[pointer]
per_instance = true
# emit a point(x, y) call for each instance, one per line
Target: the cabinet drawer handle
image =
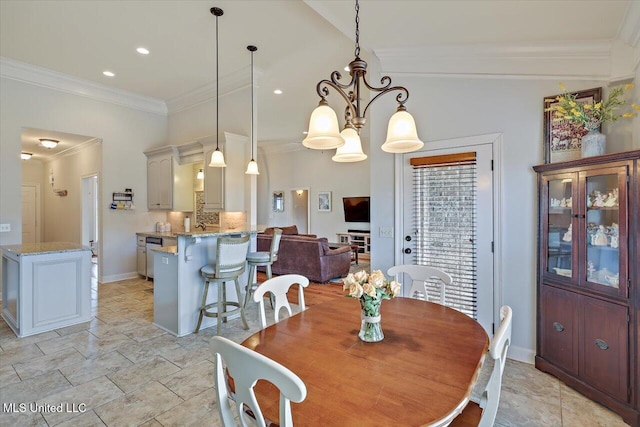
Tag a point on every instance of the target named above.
point(602, 345)
point(558, 326)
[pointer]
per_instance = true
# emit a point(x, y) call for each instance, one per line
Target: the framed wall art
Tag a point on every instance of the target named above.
point(324, 201)
point(562, 139)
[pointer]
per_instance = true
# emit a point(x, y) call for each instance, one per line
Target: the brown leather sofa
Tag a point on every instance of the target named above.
point(307, 255)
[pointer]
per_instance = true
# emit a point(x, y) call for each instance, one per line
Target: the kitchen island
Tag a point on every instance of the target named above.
point(45, 286)
point(178, 285)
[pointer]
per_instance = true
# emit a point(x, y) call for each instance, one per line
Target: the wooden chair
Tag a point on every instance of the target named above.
point(246, 367)
point(278, 287)
point(483, 414)
point(231, 257)
point(262, 259)
point(419, 275)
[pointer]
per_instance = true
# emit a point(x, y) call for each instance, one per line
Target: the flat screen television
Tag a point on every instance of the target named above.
point(356, 209)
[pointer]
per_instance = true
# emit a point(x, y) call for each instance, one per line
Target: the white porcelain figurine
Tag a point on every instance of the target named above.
point(567, 235)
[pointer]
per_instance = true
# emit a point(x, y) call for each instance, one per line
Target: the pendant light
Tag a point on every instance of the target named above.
point(402, 136)
point(351, 151)
point(252, 167)
point(217, 158)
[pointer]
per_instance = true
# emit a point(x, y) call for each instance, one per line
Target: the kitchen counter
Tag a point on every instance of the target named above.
point(43, 248)
point(209, 232)
point(45, 286)
point(178, 285)
point(156, 234)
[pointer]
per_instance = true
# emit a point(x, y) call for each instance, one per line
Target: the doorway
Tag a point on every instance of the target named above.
point(464, 247)
point(300, 209)
point(31, 213)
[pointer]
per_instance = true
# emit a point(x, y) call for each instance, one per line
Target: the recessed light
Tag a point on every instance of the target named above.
point(49, 143)
point(346, 68)
point(25, 156)
point(108, 73)
point(277, 92)
point(305, 132)
point(142, 50)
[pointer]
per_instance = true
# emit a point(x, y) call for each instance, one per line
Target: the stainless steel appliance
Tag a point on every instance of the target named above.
point(142, 256)
point(152, 242)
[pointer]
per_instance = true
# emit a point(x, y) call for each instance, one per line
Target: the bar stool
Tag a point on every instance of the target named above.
point(231, 255)
point(262, 259)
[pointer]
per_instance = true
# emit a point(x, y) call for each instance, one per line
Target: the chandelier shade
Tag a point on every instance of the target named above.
point(217, 158)
point(323, 125)
point(351, 151)
point(402, 136)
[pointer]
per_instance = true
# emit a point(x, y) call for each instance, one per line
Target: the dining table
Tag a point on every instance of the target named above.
point(420, 374)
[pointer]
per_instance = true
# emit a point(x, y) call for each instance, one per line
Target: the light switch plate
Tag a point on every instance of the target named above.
point(5, 228)
point(386, 232)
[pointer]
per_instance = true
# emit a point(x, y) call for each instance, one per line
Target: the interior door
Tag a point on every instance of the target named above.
point(483, 252)
point(30, 229)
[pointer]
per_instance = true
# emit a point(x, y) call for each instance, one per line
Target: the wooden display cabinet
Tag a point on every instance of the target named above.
point(588, 270)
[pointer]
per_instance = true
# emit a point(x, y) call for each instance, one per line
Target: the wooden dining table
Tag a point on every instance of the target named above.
point(421, 373)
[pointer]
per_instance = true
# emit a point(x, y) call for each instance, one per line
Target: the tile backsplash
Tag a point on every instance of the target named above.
point(209, 218)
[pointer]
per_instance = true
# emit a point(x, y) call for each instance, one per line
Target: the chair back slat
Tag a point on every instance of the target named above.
point(246, 367)
point(279, 286)
point(419, 275)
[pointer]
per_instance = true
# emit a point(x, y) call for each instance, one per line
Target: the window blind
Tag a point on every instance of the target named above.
point(444, 218)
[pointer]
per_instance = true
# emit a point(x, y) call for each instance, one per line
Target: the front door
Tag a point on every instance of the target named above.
point(448, 223)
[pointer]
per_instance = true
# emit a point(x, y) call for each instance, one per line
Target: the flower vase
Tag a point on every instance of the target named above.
point(593, 144)
point(370, 327)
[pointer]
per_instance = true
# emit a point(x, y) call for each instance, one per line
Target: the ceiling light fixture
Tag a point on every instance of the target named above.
point(252, 167)
point(278, 92)
point(200, 174)
point(49, 143)
point(108, 73)
point(142, 50)
point(25, 156)
point(402, 136)
point(217, 158)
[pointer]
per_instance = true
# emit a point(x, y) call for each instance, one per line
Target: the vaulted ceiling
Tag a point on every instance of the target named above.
point(299, 42)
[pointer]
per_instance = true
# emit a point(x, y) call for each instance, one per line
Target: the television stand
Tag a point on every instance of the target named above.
point(359, 238)
point(358, 231)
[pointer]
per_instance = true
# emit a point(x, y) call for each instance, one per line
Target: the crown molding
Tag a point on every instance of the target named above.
point(31, 74)
point(228, 85)
point(74, 149)
point(630, 27)
point(575, 60)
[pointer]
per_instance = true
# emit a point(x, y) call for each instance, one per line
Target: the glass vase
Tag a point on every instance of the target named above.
point(593, 144)
point(370, 327)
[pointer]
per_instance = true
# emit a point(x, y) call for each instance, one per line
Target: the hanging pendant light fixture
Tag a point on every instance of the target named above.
point(252, 167)
point(217, 158)
point(323, 133)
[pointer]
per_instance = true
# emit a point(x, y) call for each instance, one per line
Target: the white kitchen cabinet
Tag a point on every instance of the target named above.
point(169, 184)
point(225, 188)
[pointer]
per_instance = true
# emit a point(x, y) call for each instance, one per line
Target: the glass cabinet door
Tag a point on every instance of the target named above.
point(560, 233)
point(604, 229)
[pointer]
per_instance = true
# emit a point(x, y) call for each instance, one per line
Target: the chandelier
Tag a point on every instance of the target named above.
point(324, 134)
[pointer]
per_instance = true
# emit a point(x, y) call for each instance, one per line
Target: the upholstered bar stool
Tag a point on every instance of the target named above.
point(231, 256)
point(262, 259)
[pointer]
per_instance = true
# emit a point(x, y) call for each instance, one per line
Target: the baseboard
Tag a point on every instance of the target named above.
point(118, 277)
point(521, 354)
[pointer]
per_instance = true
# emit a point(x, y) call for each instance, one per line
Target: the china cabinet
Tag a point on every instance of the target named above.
point(588, 269)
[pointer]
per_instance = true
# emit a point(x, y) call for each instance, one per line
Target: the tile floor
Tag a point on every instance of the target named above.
point(120, 370)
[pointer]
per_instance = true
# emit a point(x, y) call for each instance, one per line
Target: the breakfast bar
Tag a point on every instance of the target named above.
point(178, 285)
point(45, 286)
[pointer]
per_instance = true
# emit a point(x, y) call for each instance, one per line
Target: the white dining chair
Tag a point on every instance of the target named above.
point(420, 275)
point(483, 414)
point(246, 367)
point(278, 287)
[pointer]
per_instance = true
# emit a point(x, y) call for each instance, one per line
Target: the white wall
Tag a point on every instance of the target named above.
point(312, 169)
point(62, 218)
point(456, 107)
point(125, 134)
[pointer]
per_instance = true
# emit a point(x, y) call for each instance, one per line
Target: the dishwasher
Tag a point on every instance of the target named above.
point(152, 242)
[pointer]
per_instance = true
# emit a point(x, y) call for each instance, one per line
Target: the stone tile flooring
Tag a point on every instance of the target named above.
point(120, 370)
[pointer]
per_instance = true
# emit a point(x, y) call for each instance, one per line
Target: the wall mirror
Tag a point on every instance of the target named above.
point(278, 201)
